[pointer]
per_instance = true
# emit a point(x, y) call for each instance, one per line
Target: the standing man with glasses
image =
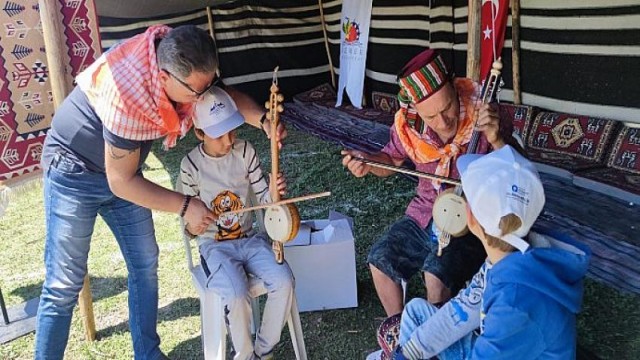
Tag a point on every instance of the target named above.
point(139, 91)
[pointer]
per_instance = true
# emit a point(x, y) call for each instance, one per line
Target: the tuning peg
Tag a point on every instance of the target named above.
point(497, 65)
point(280, 108)
point(280, 98)
point(267, 105)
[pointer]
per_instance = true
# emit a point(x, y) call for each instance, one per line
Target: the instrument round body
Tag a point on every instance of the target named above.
point(282, 222)
point(450, 213)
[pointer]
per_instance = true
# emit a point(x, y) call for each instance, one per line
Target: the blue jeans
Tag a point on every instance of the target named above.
point(73, 198)
point(416, 313)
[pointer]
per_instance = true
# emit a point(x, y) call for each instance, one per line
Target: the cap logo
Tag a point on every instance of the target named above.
point(519, 194)
point(216, 107)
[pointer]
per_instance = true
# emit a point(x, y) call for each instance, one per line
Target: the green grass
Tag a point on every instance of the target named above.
point(608, 326)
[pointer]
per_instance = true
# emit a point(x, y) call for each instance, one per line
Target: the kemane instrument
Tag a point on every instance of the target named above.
point(281, 217)
point(282, 222)
point(449, 208)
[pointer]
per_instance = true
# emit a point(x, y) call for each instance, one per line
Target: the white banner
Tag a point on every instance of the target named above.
point(354, 37)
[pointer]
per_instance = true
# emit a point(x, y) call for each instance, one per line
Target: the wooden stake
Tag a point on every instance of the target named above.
point(59, 74)
point(515, 50)
point(61, 86)
point(326, 44)
point(473, 40)
point(85, 302)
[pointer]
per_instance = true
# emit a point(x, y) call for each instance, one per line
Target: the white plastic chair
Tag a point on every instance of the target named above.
point(212, 319)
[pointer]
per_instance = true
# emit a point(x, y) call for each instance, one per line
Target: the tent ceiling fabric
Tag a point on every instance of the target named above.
point(150, 8)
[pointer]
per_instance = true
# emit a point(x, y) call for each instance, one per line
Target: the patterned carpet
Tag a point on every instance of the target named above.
point(26, 101)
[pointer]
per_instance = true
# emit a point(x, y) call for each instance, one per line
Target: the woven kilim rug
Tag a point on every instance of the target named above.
point(26, 101)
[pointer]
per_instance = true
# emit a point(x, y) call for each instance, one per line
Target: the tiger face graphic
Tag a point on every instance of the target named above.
point(228, 224)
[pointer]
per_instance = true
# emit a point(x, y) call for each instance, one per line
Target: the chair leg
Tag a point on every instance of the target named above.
point(214, 341)
point(295, 329)
point(255, 313)
point(403, 283)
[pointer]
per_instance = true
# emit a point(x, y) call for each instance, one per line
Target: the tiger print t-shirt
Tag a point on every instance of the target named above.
point(223, 184)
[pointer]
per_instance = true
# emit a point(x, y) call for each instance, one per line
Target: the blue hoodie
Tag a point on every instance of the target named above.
point(525, 305)
point(530, 303)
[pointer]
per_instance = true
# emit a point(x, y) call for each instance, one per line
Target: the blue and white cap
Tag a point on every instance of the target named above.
point(216, 113)
point(500, 183)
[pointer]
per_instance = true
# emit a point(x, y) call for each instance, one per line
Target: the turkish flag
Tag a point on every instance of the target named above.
point(494, 25)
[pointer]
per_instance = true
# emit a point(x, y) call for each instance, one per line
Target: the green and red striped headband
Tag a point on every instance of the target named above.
point(423, 75)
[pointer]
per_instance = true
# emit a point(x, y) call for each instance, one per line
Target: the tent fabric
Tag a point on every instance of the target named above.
point(577, 56)
point(252, 40)
point(151, 8)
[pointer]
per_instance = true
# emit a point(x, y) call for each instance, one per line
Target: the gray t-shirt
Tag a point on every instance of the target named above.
point(77, 130)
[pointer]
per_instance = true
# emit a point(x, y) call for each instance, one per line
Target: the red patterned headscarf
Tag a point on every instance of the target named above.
point(124, 88)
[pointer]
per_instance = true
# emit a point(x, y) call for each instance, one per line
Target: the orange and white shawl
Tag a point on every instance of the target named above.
point(424, 149)
point(124, 89)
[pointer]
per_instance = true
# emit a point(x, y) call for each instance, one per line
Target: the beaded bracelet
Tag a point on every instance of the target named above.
point(185, 205)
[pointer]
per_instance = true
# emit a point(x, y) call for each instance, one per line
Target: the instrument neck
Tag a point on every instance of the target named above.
point(487, 96)
point(275, 152)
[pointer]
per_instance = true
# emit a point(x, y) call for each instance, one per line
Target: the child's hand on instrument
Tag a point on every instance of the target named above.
point(281, 131)
point(357, 168)
point(281, 184)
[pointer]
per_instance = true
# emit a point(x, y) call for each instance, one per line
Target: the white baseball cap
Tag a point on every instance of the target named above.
point(216, 113)
point(500, 183)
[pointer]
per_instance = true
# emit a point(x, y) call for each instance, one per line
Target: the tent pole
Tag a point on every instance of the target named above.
point(473, 40)
point(212, 33)
point(515, 50)
point(210, 22)
point(61, 86)
point(326, 44)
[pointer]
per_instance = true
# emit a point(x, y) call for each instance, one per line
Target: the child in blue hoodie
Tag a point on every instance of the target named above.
point(525, 297)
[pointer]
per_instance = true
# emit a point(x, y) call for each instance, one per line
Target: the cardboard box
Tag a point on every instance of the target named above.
point(322, 258)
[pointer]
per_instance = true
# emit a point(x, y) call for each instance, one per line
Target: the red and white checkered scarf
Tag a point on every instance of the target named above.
point(124, 88)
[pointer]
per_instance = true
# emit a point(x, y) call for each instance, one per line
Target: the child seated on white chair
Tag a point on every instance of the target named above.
point(220, 171)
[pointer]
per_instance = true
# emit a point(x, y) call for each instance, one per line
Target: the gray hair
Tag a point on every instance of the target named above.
point(187, 49)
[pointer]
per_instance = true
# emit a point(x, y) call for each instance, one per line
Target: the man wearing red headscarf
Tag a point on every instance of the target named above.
point(431, 129)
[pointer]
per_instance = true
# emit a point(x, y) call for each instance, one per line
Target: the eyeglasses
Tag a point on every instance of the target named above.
point(197, 94)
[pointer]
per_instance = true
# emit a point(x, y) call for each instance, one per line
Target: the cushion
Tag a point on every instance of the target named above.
point(621, 178)
point(364, 113)
point(624, 185)
point(385, 102)
point(626, 151)
point(520, 116)
point(570, 142)
point(321, 93)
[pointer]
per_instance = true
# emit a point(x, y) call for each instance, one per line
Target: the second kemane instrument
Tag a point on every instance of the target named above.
point(449, 208)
